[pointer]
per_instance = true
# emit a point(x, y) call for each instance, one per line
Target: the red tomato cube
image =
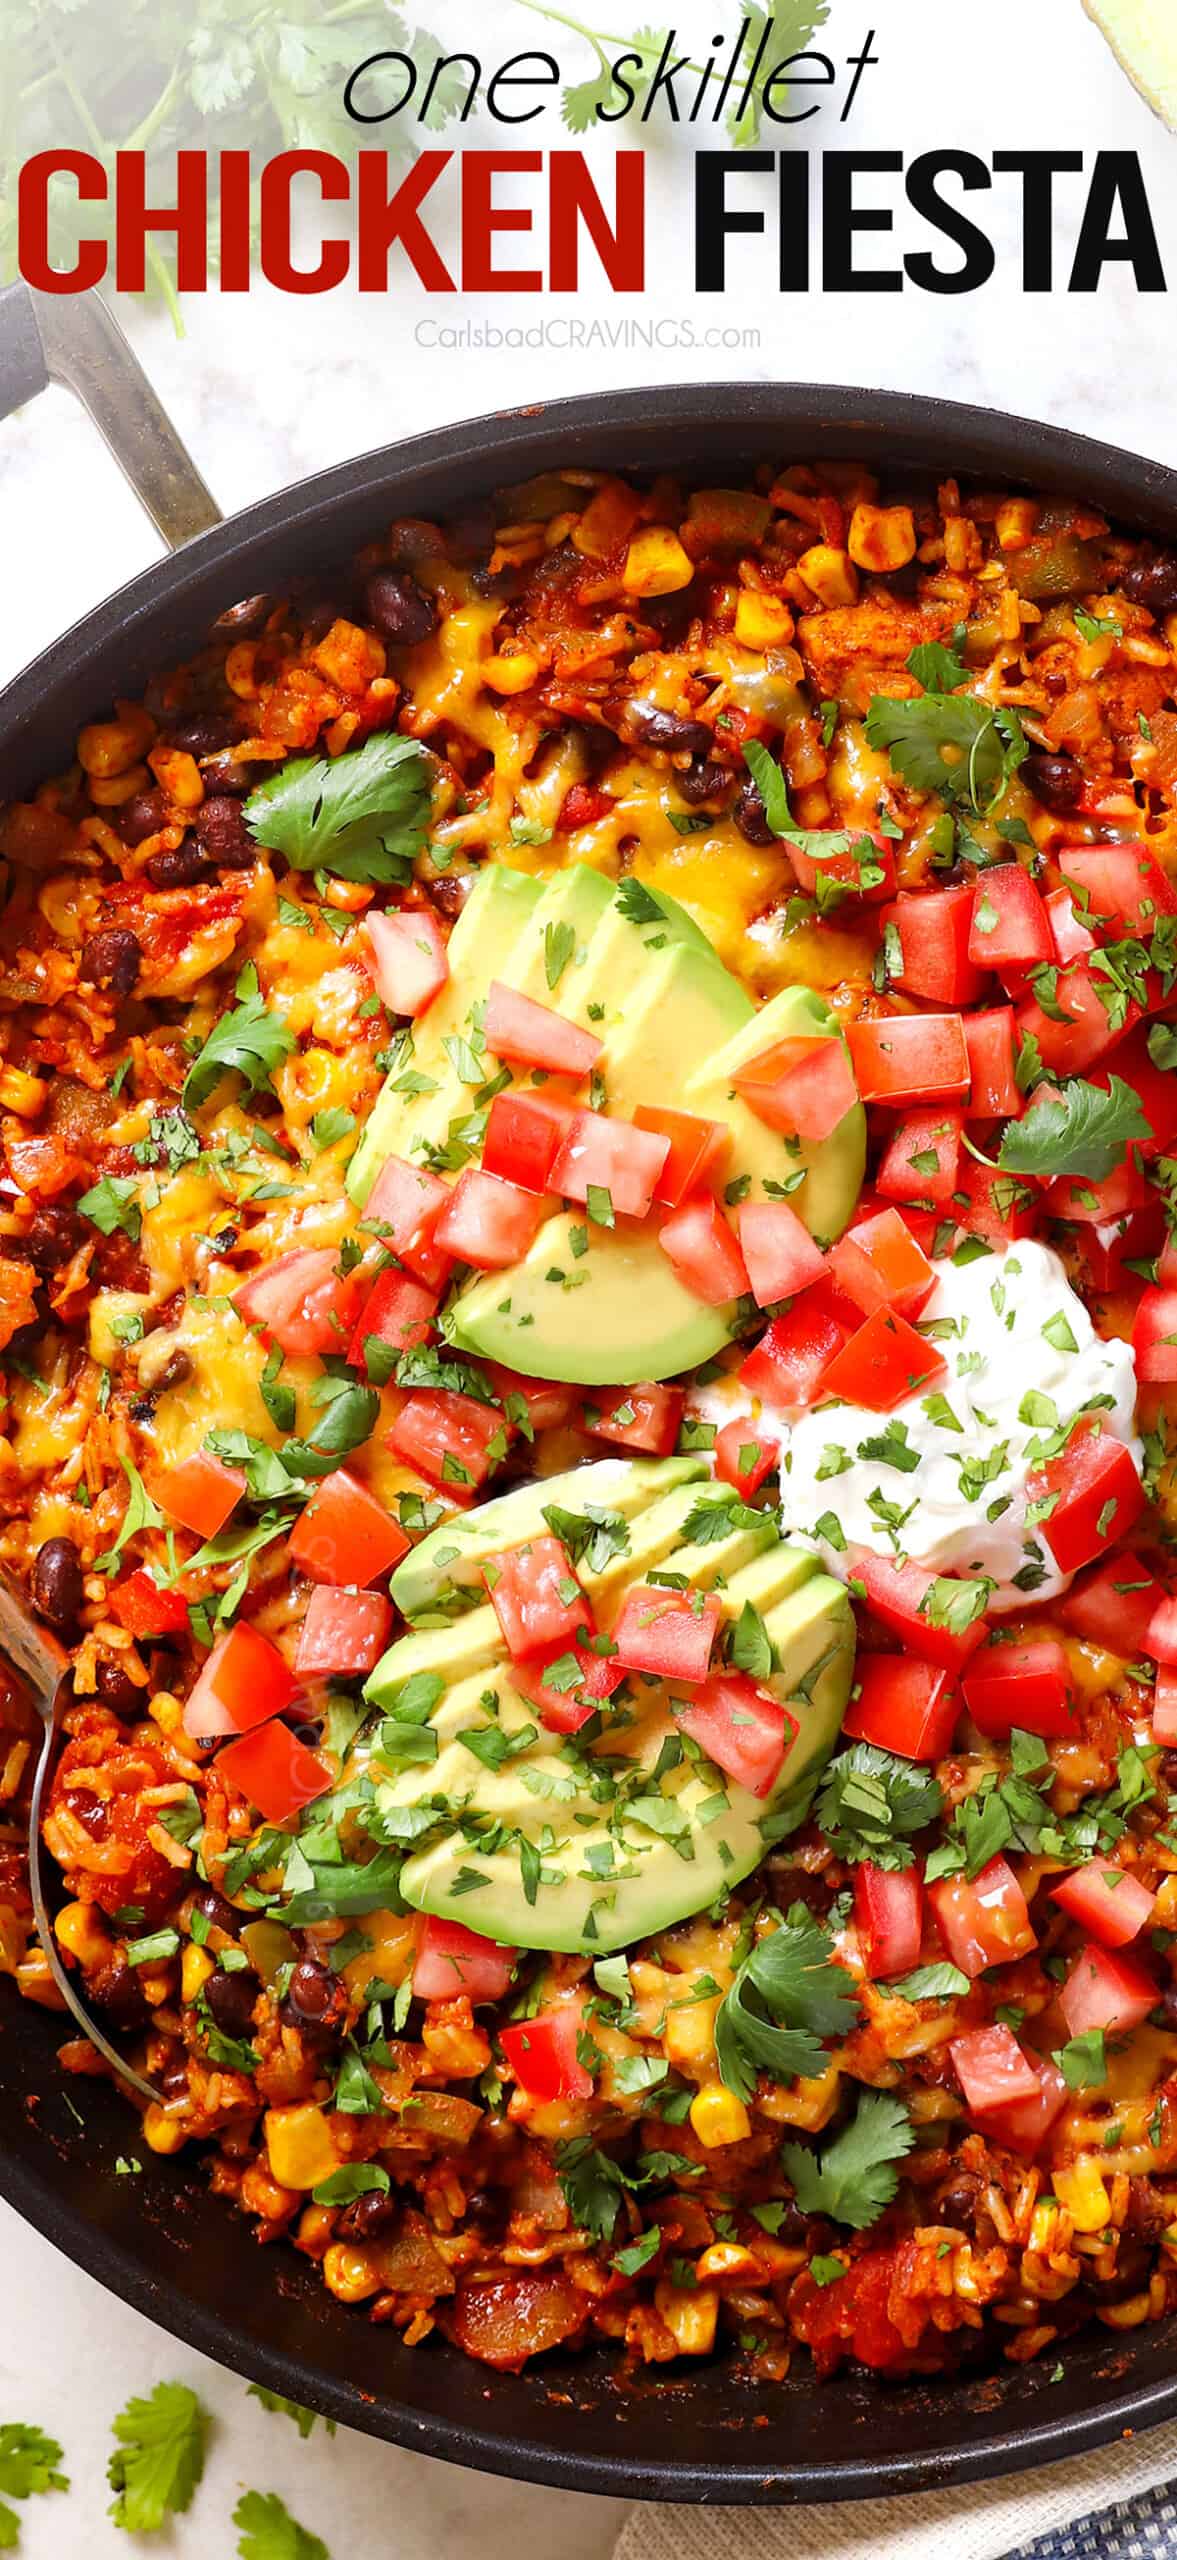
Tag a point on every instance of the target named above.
point(1164, 1709)
point(802, 1086)
point(488, 1223)
point(452, 1963)
point(542, 2054)
point(200, 1493)
point(524, 1134)
point(1085, 1033)
point(646, 1418)
point(409, 960)
point(993, 1205)
point(1106, 1990)
point(903, 1705)
point(984, 1920)
point(1154, 1338)
point(1022, 2124)
point(1070, 936)
point(600, 1154)
point(1112, 1905)
point(1098, 1202)
point(345, 1535)
point(534, 1035)
point(742, 1728)
point(992, 2070)
point(667, 1633)
point(343, 1633)
point(1009, 928)
point(889, 1915)
point(399, 1311)
point(917, 1057)
point(244, 1681)
point(452, 1439)
point(933, 928)
point(1114, 1606)
point(275, 1772)
point(1161, 1638)
point(865, 870)
point(536, 1597)
point(565, 1703)
point(301, 1302)
point(144, 1610)
point(1121, 885)
point(702, 1250)
point(1096, 1493)
point(878, 1263)
point(403, 1206)
point(743, 1456)
point(885, 1361)
point(900, 1597)
point(779, 1253)
point(989, 1039)
point(920, 1164)
point(788, 1366)
point(698, 1151)
point(532, 1404)
point(1020, 1687)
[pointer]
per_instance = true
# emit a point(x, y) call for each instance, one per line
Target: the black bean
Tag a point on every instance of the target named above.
point(117, 1690)
point(230, 1997)
point(117, 1994)
point(1055, 780)
point(957, 2202)
point(175, 1373)
point(502, 585)
point(52, 1237)
point(367, 2215)
point(222, 834)
point(1152, 583)
point(750, 814)
point(317, 618)
point(225, 773)
point(668, 731)
point(204, 733)
point(472, 533)
point(111, 959)
point(315, 2003)
point(703, 780)
point(178, 865)
point(451, 893)
point(1129, 2275)
point(399, 609)
point(57, 1583)
point(141, 817)
point(242, 621)
point(215, 1909)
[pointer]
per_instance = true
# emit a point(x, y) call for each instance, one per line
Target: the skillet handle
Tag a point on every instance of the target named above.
point(78, 342)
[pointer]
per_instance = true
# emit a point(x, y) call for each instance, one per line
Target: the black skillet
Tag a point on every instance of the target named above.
point(160, 2240)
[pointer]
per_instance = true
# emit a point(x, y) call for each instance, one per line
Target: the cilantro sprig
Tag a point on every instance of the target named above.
point(872, 1804)
point(266, 2530)
point(1085, 1131)
point(249, 1041)
point(854, 2178)
point(952, 744)
point(362, 816)
point(786, 1997)
point(159, 2458)
point(29, 2467)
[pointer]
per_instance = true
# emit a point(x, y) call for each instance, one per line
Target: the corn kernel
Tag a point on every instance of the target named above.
point(118, 787)
point(1015, 521)
point(882, 538)
point(300, 2146)
point(21, 1093)
point(167, 1712)
point(1081, 2192)
point(348, 2275)
point(762, 622)
point(691, 2317)
point(718, 2116)
point(513, 674)
point(107, 747)
point(1044, 2226)
point(179, 774)
point(162, 2132)
point(726, 2261)
point(196, 1966)
point(656, 563)
point(350, 657)
point(830, 574)
point(689, 2037)
point(79, 1929)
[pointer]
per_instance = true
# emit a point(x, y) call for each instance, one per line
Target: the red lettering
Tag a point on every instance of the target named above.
point(384, 219)
point(620, 246)
point(33, 258)
point(482, 218)
point(135, 219)
point(236, 223)
point(277, 255)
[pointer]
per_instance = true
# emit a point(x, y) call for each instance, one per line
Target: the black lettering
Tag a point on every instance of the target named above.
point(715, 218)
point(378, 115)
point(629, 95)
point(790, 78)
point(842, 218)
point(924, 197)
point(436, 82)
point(794, 221)
point(548, 78)
point(858, 63)
point(664, 78)
point(1037, 171)
point(1117, 184)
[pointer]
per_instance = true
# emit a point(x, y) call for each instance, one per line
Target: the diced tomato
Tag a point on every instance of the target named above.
point(1097, 1203)
point(853, 2316)
point(1155, 1089)
point(1067, 1047)
point(702, 1251)
point(879, 1264)
point(889, 1911)
point(802, 1086)
point(883, 1362)
point(583, 805)
point(1070, 936)
point(534, 1035)
point(1106, 1990)
point(698, 1152)
point(399, 1311)
point(910, 1057)
point(275, 1771)
point(989, 1039)
point(524, 1134)
point(1010, 929)
point(489, 1223)
point(452, 1963)
point(1112, 1905)
point(301, 1302)
point(546, 1404)
point(409, 959)
point(847, 868)
point(779, 1252)
point(144, 1610)
point(993, 2071)
point(405, 1204)
point(536, 1597)
point(1022, 2124)
point(1107, 1250)
point(600, 1154)
point(542, 2054)
point(244, 1681)
point(1114, 1607)
point(343, 1632)
point(565, 1705)
point(200, 1493)
point(894, 1595)
point(903, 1705)
point(934, 927)
point(1154, 1338)
point(667, 1633)
point(742, 1728)
point(743, 1456)
point(993, 1205)
point(921, 1161)
point(1096, 1493)
point(1022, 1688)
point(1164, 1709)
point(1161, 1638)
point(1122, 884)
point(983, 1921)
point(452, 1439)
point(646, 1418)
point(788, 1365)
point(345, 1535)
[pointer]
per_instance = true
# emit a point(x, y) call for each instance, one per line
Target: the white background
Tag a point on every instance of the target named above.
point(265, 390)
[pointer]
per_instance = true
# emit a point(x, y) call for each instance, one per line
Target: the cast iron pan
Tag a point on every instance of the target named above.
point(160, 2240)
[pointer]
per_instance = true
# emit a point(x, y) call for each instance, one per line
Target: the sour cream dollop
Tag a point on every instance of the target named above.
point(943, 1478)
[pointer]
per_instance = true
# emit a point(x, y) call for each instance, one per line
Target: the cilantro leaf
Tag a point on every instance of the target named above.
point(159, 2458)
point(1083, 2062)
point(248, 1041)
point(590, 1537)
point(821, 844)
point(267, 2531)
point(854, 2178)
point(785, 1997)
point(280, 2407)
point(113, 1203)
point(938, 669)
point(1085, 1132)
point(559, 945)
point(638, 904)
point(871, 1803)
point(363, 816)
point(29, 2462)
point(949, 743)
point(141, 1513)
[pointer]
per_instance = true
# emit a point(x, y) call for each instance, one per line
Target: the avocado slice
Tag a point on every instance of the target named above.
point(587, 1844)
point(834, 1169)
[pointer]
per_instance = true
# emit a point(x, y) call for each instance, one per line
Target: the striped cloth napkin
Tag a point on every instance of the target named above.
point(1115, 2504)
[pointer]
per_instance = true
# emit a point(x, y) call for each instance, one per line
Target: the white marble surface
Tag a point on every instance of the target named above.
point(267, 389)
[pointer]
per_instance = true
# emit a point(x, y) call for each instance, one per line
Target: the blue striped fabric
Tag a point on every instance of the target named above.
point(1143, 2528)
